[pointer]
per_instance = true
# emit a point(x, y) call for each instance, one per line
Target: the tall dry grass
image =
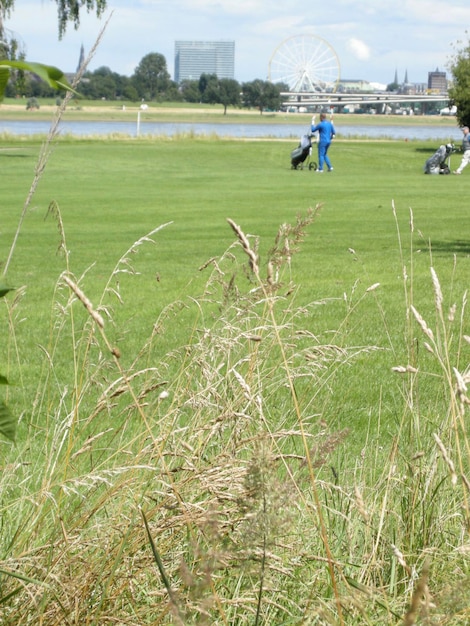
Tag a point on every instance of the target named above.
point(201, 485)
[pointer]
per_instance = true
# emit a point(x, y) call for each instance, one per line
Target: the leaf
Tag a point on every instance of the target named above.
point(54, 77)
point(4, 290)
point(4, 76)
point(7, 422)
point(3, 380)
point(12, 594)
point(23, 577)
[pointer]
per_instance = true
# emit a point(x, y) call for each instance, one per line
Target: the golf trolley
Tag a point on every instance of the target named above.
point(439, 162)
point(301, 156)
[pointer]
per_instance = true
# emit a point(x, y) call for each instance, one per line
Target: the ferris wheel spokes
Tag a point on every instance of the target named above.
point(306, 63)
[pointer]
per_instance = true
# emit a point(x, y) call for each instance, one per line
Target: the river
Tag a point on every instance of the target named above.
point(277, 131)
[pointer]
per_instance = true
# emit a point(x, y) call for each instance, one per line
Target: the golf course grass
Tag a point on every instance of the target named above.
point(280, 333)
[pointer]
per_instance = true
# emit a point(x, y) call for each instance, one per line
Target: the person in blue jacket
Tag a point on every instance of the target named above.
point(326, 132)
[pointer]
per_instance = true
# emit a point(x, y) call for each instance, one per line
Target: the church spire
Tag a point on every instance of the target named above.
point(82, 57)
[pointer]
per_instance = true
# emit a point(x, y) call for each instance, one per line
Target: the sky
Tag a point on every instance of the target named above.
point(367, 39)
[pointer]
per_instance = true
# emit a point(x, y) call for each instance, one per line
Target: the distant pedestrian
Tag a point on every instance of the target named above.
point(466, 150)
point(326, 132)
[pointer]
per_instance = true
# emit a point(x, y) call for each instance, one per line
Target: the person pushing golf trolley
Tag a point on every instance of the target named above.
point(326, 134)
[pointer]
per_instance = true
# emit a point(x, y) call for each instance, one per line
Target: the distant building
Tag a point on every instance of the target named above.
point(406, 87)
point(437, 81)
point(354, 85)
point(193, 58)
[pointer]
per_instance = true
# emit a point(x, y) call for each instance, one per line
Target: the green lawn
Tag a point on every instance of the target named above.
point(111, 193)
point(265, 386)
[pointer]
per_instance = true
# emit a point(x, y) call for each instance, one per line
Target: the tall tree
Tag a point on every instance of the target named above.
point(261, 94)
point(459, 92)
point(229, 93)
point(208, 88)
point(213, 90)
point(189, 90)
point(151, 76)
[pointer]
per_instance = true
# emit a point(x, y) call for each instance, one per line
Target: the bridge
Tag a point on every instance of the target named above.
point(377, 100)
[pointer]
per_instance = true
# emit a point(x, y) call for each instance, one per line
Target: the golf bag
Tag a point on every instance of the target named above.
point(301, 153)
point(437, 163)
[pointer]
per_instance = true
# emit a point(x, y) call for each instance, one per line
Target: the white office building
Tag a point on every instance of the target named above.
point(193, 58)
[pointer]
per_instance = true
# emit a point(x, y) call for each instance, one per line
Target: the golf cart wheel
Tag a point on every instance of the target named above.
point(312, 166)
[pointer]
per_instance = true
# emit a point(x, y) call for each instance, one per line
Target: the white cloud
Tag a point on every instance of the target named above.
point(359, 49)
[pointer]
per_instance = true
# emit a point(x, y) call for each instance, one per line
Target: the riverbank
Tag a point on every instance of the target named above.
point(86, 110)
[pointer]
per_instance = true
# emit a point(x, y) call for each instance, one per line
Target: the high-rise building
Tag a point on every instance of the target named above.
point(437, 81)
point(193, 58)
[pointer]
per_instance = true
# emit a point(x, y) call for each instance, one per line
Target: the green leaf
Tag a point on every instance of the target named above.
point(54, 77)
point(4, 76)
point(7, 422)
point(3, 380)
point(20, 576)
point(12, 594)
point(4, 290)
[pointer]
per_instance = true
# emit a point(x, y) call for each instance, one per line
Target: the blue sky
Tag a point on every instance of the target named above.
point(370, 38)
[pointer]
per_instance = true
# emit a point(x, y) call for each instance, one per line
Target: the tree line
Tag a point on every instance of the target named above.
point(151, 82)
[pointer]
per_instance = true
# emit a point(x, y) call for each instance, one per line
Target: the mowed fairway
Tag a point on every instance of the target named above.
point(112, 192)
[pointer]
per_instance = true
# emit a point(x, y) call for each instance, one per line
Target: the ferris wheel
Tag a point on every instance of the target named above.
point(306, 63)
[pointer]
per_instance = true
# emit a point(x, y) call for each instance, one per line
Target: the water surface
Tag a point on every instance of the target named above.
point(249, 131)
